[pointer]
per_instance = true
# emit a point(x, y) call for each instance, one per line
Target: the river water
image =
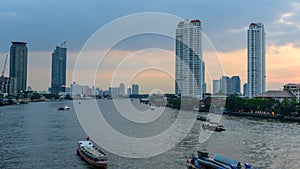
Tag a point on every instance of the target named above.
point(37, 135)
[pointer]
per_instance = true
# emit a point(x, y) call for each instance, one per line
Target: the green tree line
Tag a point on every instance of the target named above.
point(286, 107)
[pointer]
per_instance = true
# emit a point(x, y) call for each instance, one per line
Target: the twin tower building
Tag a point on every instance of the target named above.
point(190, 67)
point(18, 68)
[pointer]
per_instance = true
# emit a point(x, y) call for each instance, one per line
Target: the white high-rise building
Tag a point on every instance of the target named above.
point(256, 59)
point(114, 92)
point(190, 69)
point(122, 89)
point(216, 86)
point(227, 86)
point(76, 89)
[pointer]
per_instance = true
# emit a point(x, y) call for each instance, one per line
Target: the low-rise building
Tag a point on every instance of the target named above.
point(114, 92)
point(276, 94)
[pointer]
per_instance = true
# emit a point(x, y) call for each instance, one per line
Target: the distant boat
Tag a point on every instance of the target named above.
point(202, 118)
point(203, 161)
point(23, 102)
point(64, 108)
point(91, 154)
point(195, 108)
point(213, 126)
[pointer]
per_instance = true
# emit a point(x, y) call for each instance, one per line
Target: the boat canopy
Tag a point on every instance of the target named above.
point(233, 163)
point(85, 144)
point(91, 150)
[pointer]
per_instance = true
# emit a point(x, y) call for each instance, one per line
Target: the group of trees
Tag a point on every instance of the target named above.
point(182, 102)
point(24, 95)
point(30, 95)
point(235, 103)
point(173, 101)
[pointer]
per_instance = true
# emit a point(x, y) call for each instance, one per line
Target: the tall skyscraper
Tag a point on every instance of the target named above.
point(59, 64)
point(256, 59)
point(135, 89)
point(18, 65)
point(190, 69)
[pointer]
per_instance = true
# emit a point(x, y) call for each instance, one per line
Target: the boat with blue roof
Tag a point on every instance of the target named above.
point(203, 161)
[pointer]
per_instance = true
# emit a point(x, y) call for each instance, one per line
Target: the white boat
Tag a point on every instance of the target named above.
point(213, 126)
point(195, 108)
point(64, 108)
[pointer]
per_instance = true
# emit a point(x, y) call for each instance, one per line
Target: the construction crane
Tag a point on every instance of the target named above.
point(4, 67)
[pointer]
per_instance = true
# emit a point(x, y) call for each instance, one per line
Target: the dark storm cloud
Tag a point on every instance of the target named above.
point(45, 24)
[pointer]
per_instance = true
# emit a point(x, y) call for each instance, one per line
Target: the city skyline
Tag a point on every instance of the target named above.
point(226, 86)
point(281, 25)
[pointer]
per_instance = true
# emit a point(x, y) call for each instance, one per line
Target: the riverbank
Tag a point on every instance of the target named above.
point(6, 102)
point(264, 116)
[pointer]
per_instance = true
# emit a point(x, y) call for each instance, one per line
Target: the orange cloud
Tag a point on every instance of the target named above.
point(282, 64)
point(131, 67)
point(234, 63)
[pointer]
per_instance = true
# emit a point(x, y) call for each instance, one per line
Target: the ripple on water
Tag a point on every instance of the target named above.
point(36, 135)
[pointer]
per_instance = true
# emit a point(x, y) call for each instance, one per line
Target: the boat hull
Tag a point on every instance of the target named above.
point(98, 164)
point(217, 128)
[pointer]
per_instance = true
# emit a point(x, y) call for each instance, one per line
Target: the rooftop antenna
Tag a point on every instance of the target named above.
point(63, 45)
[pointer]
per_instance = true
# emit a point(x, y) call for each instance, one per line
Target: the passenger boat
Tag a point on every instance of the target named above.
point(213, 126)
point(64, 108)
point(92, 155)
point(203, 161)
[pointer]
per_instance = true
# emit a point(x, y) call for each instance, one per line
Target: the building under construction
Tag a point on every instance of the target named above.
point(7, 86)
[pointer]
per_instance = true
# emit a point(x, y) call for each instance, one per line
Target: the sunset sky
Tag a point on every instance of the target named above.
point(148, 59)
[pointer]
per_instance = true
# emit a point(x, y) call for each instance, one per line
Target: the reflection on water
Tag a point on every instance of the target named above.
point(36, 135)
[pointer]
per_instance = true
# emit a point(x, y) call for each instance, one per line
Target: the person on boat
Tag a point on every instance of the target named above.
point(193, 159)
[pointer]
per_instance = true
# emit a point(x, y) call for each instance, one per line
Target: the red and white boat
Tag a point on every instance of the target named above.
point(92, 155)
